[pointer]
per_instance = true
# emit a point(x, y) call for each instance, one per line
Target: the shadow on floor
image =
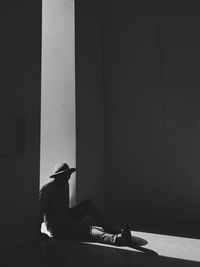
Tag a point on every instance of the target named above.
point(65, 253)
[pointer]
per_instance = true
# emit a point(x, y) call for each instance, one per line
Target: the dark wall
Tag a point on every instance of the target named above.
point(90, 156)
point(180, 42)
point(20, 68)
point(135, 145)
point(141, 60)
point(151, 79)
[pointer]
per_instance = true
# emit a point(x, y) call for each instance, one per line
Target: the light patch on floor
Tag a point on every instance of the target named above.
point(172, 246)
point(164, 245)
point(168, 246)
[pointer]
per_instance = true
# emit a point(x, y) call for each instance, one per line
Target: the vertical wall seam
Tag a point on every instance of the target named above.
point(104, 105)
point(75, 99)
point(163, 99)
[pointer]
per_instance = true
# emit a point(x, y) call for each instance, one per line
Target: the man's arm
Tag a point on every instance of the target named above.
point(44, 196)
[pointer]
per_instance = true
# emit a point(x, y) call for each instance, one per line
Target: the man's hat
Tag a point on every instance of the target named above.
point(62, 168)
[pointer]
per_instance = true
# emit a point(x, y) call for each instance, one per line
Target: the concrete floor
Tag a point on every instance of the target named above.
point(58, 253)
point(173, 251)
point(165, 245)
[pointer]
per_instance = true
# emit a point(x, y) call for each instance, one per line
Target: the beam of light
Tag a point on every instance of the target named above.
point(58, 133)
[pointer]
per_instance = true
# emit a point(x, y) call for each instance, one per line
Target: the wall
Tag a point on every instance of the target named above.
point(89, 102)
point(58, 131)
point(20, 120)
point(180, 40)
point(136, 159)
point(151, 67)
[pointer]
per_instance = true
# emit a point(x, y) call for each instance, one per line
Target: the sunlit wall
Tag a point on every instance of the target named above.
point(58, 89)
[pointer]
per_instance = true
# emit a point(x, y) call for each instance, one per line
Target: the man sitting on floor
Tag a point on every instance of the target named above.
point(65, 222)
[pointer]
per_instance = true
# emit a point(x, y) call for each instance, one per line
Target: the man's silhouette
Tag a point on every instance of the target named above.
point(65, 222)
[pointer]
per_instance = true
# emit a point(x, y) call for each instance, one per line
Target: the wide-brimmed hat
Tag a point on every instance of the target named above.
point(62, 168)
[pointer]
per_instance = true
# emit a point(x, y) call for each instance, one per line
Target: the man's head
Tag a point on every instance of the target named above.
point(62, 173)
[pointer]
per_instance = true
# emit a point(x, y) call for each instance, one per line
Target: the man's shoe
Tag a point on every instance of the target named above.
point(124, 238)
point(126, 235)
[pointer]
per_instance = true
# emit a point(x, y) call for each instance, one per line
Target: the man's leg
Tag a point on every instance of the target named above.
point(98, 234)
point(69, 228)
point(87, 207)
point(66, 228)
point(74, 229)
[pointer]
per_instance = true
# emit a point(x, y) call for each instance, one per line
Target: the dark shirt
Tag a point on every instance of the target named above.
point(54, 202)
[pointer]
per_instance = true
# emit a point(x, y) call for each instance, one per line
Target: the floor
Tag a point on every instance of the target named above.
point(173, 251)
